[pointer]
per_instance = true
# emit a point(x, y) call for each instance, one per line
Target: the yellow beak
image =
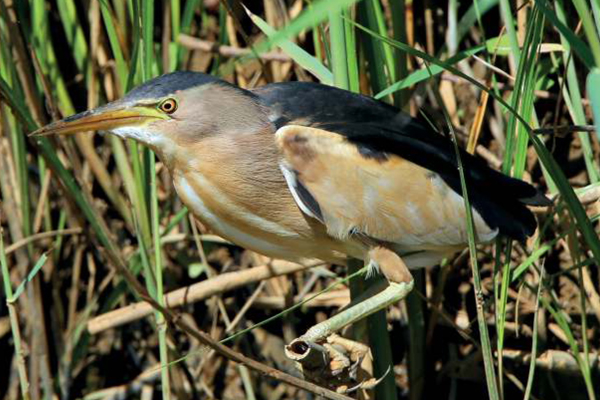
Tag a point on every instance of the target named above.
point(104, 118)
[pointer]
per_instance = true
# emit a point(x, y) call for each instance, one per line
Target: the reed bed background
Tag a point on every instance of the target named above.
point(91, 225)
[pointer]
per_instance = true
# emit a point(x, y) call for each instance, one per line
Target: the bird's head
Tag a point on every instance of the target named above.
point(171, 112)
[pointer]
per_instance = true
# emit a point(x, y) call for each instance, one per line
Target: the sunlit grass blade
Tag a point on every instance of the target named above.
point(14, 321)
point(581, 49)
point(517, 140)
point(122, 69)
point(423, 74)
point(563, 321)
point(509, 25)
point(589, 28)
point(574, 101)
point(534, 341)
point(146, 178)
point(299, 55)
point(374, 49)
point(311, 17)
point(160, 319)
point(351, 54)
point(530, 57)
point(19, 151)
point(593, 82)
point(74, 33)
point(38, 265)
point(494, 392)
point(337, 38)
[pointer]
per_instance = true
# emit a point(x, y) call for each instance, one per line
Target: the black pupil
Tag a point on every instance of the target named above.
point(168, 106)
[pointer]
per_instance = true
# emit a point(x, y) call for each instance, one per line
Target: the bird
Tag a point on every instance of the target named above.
point(297, 170)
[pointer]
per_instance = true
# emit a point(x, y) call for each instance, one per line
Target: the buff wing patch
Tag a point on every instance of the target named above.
point(354, 190)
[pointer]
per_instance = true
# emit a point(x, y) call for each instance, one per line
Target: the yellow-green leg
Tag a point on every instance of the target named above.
point(315, 351)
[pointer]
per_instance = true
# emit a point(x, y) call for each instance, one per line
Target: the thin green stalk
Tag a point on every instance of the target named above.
point(122, 69)
point(501, 305)
point(486, 346)
point(589, 28)
point(575, 105)
point(596, 12)
point(398, 9)
point(186, 23)
point(147, 38)
point(74, 33)
point(338, 50)
point(175, 30)
point(351, 54)
point(17, 141)
point(176, 219)
point(586, 345)
point(529, 56)
point(14, 321)
point(578, 45)
point(160, 319)
point(416, 327)
point(374, 49)
point(509, 23)
point(534, 341)
point(316, 36)
point(298, 54)
point(517, 141)
point(148, 174)
point(585, 361)
point(563, 322)
point(516, 137)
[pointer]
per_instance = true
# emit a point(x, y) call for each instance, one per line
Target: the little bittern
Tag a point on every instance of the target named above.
point(302, 170)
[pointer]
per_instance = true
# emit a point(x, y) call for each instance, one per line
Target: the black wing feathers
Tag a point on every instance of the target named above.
point(379, 129)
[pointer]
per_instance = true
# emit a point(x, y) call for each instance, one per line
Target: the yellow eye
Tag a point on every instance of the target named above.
point(169, 106)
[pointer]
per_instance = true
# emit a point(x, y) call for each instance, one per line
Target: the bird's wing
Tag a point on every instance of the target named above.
point(389, 199)
point(378, 131)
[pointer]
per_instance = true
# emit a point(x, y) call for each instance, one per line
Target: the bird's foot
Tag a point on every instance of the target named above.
point(340, 364)
point(317, 350)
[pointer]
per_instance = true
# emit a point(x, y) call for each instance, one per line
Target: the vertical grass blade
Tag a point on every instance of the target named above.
point(299, 55)
point(575, 104)
point(14, 321)
point(160, 319)
point(593, 83)
point(337, 39)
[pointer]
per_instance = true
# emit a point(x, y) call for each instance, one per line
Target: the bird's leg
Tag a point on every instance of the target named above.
point(400, 284)
point(308, 349)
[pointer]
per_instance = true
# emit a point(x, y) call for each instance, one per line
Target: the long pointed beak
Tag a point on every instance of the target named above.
point(103, 118)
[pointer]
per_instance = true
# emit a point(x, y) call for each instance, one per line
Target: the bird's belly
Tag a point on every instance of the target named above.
point(234, 222)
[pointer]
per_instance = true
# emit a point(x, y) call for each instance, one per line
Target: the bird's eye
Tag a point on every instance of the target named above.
point(169, 106)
